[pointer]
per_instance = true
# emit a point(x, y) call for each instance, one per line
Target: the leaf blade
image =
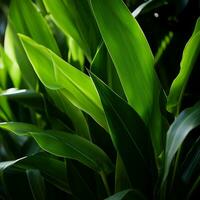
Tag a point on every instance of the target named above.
point(178, 131)
point(64, 145)
point(128, 130)
point(133, 60)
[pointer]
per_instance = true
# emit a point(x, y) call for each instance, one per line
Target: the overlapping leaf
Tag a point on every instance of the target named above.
point(76, 20)
point(57, 74)
point(189, 57)
point(55, 172)
point(130, 137)
point(178, 131)
point(64, 145)
point(133, 60)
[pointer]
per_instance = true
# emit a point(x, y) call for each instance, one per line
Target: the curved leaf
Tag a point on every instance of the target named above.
point(130, 137)
point(64, 145)
point(26, 19)
point(58, 74)
point(190, 55)
point(75, 18)
point(29, 98)
point(133, 60)
point(11, 67)
point(54, 173)
point(178, 131)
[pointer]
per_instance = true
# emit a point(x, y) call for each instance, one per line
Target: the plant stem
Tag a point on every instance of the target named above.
point(105, 182)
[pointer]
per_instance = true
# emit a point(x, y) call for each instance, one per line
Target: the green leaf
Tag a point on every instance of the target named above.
point(133, 60)
point(102, 66)
point(178, 131)
point(189, 57)
point(26, 19)
point(64, 145)
point(75, 114)
point(190, 165)
point(122, 181)
point(130, 137)
point(29, 98)
point(12, 68)
point(5, 107)
point(75, 19)
point(14, 50)
point(74, 84)
point(3, 70)
point(36, 183)
point(126, 195)
point(54, 173)
point(75, 54)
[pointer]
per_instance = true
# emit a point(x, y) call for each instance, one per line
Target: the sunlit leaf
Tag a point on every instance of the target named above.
point(76, 20)
point(133, 60)
point(74, 84)
point(189, 57)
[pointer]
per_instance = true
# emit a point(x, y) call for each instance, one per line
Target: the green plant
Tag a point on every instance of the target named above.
point(88, 112)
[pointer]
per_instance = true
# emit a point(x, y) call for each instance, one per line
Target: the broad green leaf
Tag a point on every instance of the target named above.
point(36, 183)
point(127, 195)
point(189, 57)
point(64, 145)
point(74, 84)
point(178, 131)
point(130, 137)
point(133, 60)
point(54, 173)
point(75, 19)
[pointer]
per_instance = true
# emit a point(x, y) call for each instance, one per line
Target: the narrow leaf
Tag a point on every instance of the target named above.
point(75, 19)
point(36, 183)
point(189, 57)
point(178, 131)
